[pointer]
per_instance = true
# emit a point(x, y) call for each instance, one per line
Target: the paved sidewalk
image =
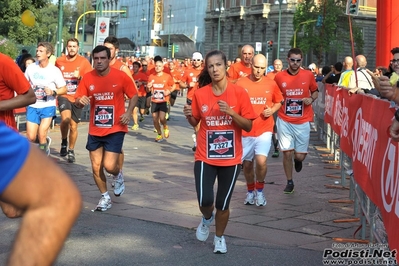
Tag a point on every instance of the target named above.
point(160, 188)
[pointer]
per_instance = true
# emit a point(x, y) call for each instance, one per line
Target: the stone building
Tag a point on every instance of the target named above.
point(250, 21)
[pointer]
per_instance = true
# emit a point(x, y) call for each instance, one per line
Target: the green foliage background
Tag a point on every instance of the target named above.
point(333, 35)
point(45, 29)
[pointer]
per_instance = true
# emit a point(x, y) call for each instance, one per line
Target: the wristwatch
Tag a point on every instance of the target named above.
point(54, 93)
point(397, 115)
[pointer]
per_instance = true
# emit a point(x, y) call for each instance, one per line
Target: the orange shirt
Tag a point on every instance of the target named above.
point(12, 81)
point(68, 68)
point(272, 74)
point(139, 77)
point(294, 89)
point(219, 138)
point(237, 70)
point(191, 75)
point(108, 101)
point(159, 85)
point(177, 76)
point(262, 93)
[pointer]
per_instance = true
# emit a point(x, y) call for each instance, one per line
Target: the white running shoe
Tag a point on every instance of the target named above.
point(260, 199)
point(220, 245)
point(249, 200)
point(119, 187)
point(203, 229)
point(48, 140)
point(104, 204)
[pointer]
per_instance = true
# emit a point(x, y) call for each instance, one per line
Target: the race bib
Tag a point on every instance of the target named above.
point(220, 144)
point(159, 95)
point(40, 93)
point(71, 85)
point(104, 115)
point(294, 107)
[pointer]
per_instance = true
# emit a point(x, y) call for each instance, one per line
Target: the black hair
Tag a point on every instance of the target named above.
point(137, 64)
point(325, 70)
point(338, 66)
point(112, 40)
point(100, 48)
point(157, 58)
point(295, 51)
point(204, 78)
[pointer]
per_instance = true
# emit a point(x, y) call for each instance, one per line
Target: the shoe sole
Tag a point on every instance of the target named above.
point(249, 203)
point(63, 155)
point(120, 194)
point(287, 192)
point(260, 205)
point(220, 252)
point(102, 209)
point(71, 160)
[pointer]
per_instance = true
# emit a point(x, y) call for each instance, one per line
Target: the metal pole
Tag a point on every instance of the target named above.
point(219, 29)
point(60, 26)
point(82, 45)
point(170, 19)
point(279, 29)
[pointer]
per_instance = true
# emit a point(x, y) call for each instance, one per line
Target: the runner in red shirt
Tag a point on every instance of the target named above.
point(177, 78)
point(73, 66)
point(278, 67)
point(266, 99)
point(224, 110)
point(300, 90)
point(242, 68)
point(13, 81)
point(161, 86)
point(104, 89)
point(141, 80)
point(15, 92)
point(190, 79)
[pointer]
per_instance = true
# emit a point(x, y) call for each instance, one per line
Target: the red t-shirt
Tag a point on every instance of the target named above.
point(68, 68)
point(176, 75)
point(159, 85)
point(294, 89)
point(262, 93)
point(108, 102)
point(219, 138)
point(237, 70)
point(12, 81)
point(139, 77)
point(191, 75)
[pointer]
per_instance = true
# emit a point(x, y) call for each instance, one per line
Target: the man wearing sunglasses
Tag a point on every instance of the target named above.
point(299, 90)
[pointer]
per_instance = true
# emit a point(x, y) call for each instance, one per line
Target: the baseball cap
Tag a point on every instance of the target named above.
point(197, 56)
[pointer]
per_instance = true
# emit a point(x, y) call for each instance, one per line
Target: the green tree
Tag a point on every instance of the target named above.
point(331, 35)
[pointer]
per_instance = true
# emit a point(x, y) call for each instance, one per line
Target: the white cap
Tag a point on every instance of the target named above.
point(197, 55)
point(312, 66)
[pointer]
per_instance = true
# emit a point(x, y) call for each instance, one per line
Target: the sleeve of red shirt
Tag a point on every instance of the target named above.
point(194, 107)
point(313, 85)
point(13, 76)
point(232, 73)
point(277, 95)
point(81, 90)
point(130, 87)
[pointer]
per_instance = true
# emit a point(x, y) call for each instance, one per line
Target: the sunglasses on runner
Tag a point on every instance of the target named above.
point(295, 60)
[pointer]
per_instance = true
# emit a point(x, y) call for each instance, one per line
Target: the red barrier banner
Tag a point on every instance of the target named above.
point(363, 123)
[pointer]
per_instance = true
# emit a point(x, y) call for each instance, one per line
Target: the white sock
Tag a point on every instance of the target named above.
point(106, 195)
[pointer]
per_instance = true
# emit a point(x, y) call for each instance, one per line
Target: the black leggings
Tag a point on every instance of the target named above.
point(205, 176)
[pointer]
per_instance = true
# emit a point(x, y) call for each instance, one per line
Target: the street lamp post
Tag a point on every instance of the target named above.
point(219, 10)
point(82, 43)
point(279, 3)
point(170, 16)
point(60, 26)
point(143, 19)
point(304, 22)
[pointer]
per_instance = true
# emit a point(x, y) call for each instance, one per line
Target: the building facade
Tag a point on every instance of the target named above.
point(241, 22)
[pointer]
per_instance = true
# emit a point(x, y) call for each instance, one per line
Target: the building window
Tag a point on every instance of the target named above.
point(233, 3)
point(243, 2)
point(254, 2)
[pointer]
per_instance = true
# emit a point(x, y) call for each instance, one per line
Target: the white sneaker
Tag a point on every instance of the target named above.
point(249, 200)
point(48, 140)
point(203, 229)
point(104, 204)
point(220, 245)
point(260, 199)
point(119, 186)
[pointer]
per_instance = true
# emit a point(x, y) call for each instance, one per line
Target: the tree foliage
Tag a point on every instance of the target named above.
point(333, 33)
point(46, 13)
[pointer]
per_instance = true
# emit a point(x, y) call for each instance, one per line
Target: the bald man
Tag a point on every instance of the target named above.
point(243, 67)
point(278, 66)
point(347, 72)
point(364, 82)
point(266, 99)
